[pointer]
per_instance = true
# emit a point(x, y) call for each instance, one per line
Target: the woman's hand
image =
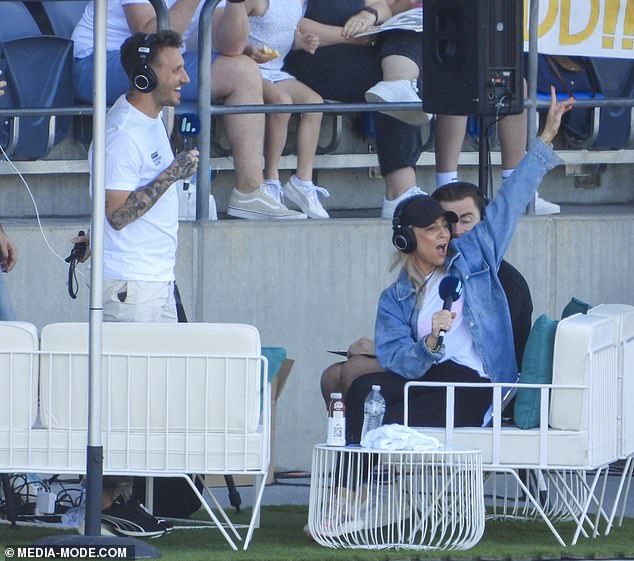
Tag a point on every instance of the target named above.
point(440, 321)
point(555, 113)
point(305, 41)
point(363, 346)
point(359, 23)
point(260, 54)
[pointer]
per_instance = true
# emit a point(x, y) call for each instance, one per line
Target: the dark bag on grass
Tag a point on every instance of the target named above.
point(173, 497)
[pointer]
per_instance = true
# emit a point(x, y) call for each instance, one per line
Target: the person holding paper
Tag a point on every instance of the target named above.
point(346, 65)
point(417, 335)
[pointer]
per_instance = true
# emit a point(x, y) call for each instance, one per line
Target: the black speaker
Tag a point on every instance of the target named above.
point(472, 57)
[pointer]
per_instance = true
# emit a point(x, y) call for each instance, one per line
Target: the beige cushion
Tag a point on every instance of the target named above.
point(18, 375)
point(579, 338)
point(155, 376)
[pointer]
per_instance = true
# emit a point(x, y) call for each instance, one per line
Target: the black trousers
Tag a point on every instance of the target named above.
point(426, 405)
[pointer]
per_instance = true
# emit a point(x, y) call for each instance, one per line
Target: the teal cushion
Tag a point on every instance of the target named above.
point(537, 368)
point(575, 306)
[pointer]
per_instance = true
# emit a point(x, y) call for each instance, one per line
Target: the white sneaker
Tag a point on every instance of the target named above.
point(273, 188)
point(543, 207)
point(259, 206)
point(396, 91)
point(388, 208)
point(305, 197)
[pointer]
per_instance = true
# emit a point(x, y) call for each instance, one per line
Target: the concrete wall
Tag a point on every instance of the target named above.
point(314, 286)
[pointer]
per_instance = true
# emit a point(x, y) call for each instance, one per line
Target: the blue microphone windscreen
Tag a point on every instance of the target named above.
point(450, 287)
point(189, 124)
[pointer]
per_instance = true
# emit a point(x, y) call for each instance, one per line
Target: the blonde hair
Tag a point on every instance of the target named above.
point(407, 262)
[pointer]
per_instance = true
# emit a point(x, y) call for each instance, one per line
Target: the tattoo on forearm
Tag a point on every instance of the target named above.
point(144, 198)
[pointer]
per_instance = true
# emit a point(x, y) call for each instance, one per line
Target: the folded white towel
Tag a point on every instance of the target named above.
point(399, 437)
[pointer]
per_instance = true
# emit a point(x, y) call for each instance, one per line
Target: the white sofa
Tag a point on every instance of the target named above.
point(578, 424)
point(176, 399)
point(623, 317)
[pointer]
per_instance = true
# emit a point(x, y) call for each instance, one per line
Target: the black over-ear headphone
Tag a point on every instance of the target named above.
point(143, 77)
point(403, 236)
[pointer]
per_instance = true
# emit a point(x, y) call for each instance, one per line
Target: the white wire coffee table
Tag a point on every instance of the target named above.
point(377, 499)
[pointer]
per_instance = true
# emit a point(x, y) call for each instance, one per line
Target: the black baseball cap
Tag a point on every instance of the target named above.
point(421, 211)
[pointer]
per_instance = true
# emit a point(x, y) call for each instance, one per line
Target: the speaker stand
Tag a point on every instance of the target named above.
point(483, 159)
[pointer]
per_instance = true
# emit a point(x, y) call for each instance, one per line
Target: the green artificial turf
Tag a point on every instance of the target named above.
point(280, 538)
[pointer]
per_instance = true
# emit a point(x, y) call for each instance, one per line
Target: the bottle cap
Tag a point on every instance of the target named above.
point(335, 395)
point(376, 387)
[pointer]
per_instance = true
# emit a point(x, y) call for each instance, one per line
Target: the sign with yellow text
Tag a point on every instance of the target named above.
point(584, 27)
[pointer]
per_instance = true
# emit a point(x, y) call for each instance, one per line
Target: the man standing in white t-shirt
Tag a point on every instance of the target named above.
point(140, 234)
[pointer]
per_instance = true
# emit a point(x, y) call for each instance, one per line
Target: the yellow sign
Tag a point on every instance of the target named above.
point(585, 27)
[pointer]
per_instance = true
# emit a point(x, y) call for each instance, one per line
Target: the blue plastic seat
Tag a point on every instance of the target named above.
point(17, 21)
point(39, 74)
point(63, 15)
point(616, 128)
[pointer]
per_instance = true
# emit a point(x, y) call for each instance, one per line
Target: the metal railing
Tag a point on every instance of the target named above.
point(207, 110)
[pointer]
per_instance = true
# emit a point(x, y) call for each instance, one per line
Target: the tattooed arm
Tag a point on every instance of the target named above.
point(123, 207)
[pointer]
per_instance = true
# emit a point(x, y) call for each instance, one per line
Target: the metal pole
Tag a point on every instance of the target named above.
point(205, 46)
point(533, 21)
point(94, 454)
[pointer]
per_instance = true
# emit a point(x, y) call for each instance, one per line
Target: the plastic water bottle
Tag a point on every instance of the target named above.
point(373, 411)
point(74, 517)
point(336, 421)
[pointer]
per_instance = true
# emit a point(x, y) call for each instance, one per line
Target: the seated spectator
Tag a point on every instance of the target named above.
point(273, 33)
point(345, 66)
point(478, 338)
point(468, 204)
point(339, 376)
point(8, 258)
point(235, 80)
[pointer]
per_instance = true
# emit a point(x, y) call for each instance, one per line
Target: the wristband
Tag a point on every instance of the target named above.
point(235, 1)
point(371, 11)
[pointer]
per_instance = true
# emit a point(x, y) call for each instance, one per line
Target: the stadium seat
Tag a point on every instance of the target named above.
point(39, 74)
point(615, 123)
point(18, 21)
point(63, 15)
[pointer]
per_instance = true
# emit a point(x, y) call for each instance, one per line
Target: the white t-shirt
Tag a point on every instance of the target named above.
point(117, 29)
point(458, 342)
point(137, 151)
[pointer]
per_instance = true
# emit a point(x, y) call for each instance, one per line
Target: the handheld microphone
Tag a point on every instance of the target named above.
point(449, 290)
point(188, 126)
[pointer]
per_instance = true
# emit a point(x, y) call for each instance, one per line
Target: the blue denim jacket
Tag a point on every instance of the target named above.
point(474, 258)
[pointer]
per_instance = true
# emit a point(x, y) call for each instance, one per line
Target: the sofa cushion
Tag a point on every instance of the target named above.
point(537, 368)
point(575, 306)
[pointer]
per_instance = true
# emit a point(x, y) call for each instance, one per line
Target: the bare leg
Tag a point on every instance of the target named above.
point(276, 130)
point(399, 181)
point(399, 67)
point(513, 130)
point(309, 126)
point(237, 81)
point(339, 376)
point(450, 131)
